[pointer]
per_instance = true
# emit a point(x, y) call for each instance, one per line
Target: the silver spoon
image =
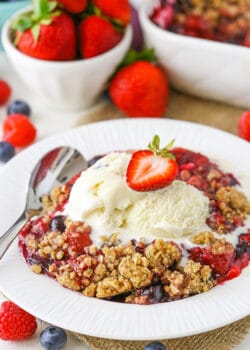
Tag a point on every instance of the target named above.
point(54, 169)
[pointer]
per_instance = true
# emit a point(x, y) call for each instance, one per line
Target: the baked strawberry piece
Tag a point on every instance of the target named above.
point(219, 256)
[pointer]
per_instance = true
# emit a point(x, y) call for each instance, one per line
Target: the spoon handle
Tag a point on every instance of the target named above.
point(8, 237)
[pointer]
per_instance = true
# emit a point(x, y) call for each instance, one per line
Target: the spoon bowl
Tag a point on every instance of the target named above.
point(54, 169)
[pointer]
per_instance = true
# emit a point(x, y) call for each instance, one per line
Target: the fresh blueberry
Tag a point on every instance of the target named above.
point(57, 223)
point(93, 160)
point(19, 107)
point(155, 346)
point(7, 151)
point(53, 338)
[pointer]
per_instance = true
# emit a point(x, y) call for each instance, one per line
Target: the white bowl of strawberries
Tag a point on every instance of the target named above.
point(66, 51)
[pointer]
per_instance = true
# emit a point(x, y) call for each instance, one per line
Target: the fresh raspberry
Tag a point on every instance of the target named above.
point(15, 323)
point(244, 126)
point(5, 92)
point(18, 130)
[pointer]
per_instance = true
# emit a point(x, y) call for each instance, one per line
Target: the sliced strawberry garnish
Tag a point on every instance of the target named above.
point(152, 169)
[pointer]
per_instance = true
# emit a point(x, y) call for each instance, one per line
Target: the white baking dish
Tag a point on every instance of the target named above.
point(205, 68)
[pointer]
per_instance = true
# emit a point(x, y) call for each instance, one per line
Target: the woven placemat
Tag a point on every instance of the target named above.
point(181, 107)
point(225, 117)
point(225, 338)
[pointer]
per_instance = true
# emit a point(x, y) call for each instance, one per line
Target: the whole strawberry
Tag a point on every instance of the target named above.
point(46, 33)
point(244, 126)
point(15, 323)
point(118, 10)
point(140, 90)
point(74, 6)
point(96, 36)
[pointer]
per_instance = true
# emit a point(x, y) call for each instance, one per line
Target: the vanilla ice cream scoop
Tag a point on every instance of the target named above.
point(102, 198)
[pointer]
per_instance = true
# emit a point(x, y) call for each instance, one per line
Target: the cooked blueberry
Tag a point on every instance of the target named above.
point(93, 160)
point(155, 293)
point(53, 338)
point(155, 346)
point(19, 107)
point(240, 249)
point(7, 151)
point(57, 223)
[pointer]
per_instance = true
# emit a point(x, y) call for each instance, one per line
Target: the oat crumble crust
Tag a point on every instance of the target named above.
point(203, 238)
point(233, 202)
point(134, 271)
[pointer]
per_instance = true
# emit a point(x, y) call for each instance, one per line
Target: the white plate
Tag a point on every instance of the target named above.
point(47, 300)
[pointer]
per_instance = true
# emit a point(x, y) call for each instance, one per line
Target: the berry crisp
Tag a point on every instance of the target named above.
point(140, 272)
point(223, 21)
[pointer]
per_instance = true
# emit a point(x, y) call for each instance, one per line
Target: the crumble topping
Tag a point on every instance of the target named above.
point(221, 246)
point(57, 196)
point(135, 269)
point(161, 253)
point(194, 279)
point(203, 238)
point(111, 286)
point(233, 202)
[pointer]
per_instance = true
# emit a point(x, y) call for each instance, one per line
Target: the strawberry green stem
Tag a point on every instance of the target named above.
point(40, 8)
point(154, 146)
point(43, 8)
